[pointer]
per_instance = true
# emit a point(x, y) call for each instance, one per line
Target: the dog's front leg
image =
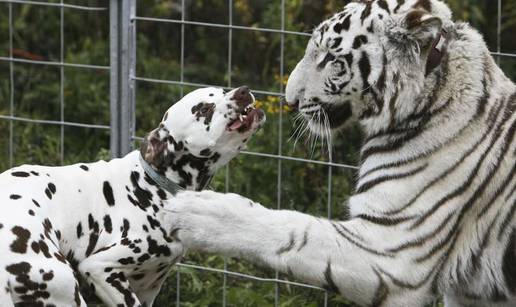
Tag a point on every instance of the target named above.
point(108, 279)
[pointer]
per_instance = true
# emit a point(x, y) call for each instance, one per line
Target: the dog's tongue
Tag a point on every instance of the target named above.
point(236, 124)
point(245, 123)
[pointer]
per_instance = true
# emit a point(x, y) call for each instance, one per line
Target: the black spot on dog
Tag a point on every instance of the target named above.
point(108, 226)
point(35, 247)
point(162, 195)
point(60, 258)
point(35, 203)
point(20, 270)
point(47, 192)
point(79, 230)
point(143, 258)
point(48, 276)
point(19, 245)
point(15, 196)
point(157, 249)
point(117, 281)
point(143, 196)
point(1, 226)
point(84, 167)
point(126, 260)
point(20, 174)
point(94, 234)
point(204, 109)
point(153, 222)
point(205, 152)
point(125, 228)
point(31, 212)
point(108, 193)
point(34, 173)
point(52, 188)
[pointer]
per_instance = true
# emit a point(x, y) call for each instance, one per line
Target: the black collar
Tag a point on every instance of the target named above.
point(161, 180)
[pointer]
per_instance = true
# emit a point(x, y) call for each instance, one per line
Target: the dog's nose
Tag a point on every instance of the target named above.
point(243, 97)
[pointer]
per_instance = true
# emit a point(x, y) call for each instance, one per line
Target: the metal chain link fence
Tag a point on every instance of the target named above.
point(124, 79)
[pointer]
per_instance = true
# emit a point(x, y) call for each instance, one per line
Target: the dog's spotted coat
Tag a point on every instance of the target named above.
point(105, 221)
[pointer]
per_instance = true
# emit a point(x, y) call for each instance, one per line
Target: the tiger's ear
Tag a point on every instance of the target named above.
point(154, 145)
point(422, 27)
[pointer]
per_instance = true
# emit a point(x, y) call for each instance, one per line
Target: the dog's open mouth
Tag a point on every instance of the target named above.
point(245, 120)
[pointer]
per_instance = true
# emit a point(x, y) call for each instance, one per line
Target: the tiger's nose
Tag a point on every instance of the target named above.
point(242, 96)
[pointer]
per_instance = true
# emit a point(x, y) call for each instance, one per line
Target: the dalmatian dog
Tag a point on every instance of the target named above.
point(105, 222)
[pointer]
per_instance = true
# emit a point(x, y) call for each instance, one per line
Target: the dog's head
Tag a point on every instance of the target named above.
point(204, 130)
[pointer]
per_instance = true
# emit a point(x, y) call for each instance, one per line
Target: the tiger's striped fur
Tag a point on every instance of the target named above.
point(434, 209)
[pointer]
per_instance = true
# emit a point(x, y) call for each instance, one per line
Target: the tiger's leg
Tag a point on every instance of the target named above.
point(330, 254)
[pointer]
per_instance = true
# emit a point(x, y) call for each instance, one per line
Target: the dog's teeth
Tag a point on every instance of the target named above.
point(240, 117)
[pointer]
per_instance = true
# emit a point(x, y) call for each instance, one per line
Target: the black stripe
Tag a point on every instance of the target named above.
point(342, 231)
point(327, 58)
point(421, 240)
point(305, 240)
point(287, 247)
point(336, 42)
point(382, 291)
point(400, 3)
point(383, 4)
point(330, 284)
point(366, 12)
point(380, 84)
point(508, 218)
point(372, 183)
point(344, 25)
point(384, 221)
point(359, 41)
point(469, 204)
point(473, 174)
point(365, 69)
point(508, 264)
point(499, 191)
point(513, 191)
point(449, 170)
point(474, 260)
point(437, 247)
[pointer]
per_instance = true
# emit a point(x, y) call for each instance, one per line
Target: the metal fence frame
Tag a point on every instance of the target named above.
point(123, 78)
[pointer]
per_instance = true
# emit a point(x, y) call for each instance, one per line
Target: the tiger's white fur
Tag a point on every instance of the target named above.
point(433, 212)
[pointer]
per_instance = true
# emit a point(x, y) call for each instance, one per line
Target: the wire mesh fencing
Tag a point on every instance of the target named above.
point(150, 55)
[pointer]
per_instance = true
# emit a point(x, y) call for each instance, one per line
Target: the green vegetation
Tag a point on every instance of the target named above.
point(255, 62)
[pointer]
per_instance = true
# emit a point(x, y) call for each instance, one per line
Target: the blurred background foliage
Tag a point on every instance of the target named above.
point(255, 61)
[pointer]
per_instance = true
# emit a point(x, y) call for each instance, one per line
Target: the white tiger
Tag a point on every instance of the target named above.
point(434, 210)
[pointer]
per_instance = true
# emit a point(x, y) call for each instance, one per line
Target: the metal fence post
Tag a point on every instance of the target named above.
point(122, 33)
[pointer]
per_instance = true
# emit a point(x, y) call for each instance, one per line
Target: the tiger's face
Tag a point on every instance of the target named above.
point(361, 62)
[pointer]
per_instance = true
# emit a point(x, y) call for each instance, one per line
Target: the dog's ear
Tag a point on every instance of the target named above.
point(154, 146)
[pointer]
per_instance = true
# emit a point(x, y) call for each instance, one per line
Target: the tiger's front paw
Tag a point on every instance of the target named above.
point(210, 221)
